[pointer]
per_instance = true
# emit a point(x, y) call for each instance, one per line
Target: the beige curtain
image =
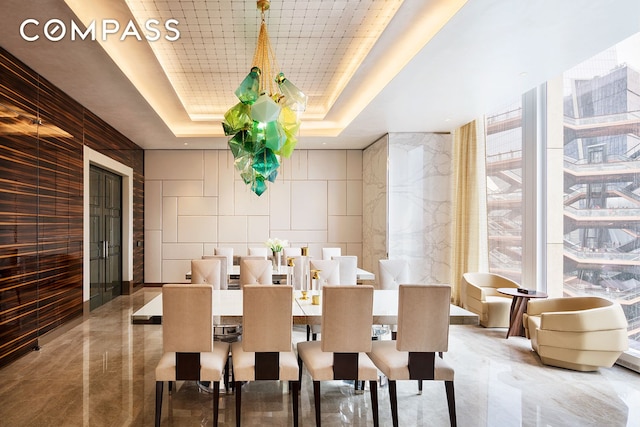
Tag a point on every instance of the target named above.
point(469, 241)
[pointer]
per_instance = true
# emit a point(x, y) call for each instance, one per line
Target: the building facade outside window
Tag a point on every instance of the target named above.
point(601, 182)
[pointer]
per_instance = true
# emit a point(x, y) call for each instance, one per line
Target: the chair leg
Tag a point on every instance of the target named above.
point(295, 389)
point(393, 398)
point(238, 402)
point(316, 401)
point(308, 332)
point(226, 376)
point(300, 371)
point(373, 386)
point(216, 402)
point(159, 387)
point(170, 387)
point(419, 386)
point(451, 401)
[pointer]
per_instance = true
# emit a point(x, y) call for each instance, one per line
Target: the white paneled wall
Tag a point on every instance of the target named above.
point(195, 201)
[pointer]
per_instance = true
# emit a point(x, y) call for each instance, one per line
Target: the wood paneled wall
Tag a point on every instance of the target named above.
point(42, 133)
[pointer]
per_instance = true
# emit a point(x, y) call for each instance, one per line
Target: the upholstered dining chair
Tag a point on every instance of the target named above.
point(298, 279)
point(210, 270)
point(339, 355)
point(423, 330)
point(328, 274)
point(259, 251)
point(226, 252)
point(266, 351)
point(391, 273)
point(255, 271)
point(348, 269)
point(189, 352)
point(328, 253)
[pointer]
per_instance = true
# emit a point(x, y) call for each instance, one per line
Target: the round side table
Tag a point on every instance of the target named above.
point(518, 308)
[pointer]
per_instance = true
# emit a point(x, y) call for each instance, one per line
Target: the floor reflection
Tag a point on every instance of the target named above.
point(101, 373)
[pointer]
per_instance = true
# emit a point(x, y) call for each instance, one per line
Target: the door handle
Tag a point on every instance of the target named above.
point(105, 249)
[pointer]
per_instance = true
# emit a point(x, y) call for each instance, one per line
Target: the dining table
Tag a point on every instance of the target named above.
point(281, 274)
point(227, 304)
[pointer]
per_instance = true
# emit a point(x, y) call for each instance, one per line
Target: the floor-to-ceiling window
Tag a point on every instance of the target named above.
point(504, 190)
point(601, 182)
point(602, 179)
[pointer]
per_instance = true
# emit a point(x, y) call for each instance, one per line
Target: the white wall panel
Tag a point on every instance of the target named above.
point(198, 206)
point(337, 198)
point(211, 173)
point(170, 219)
point(197, 229)
point(153, 256)
point(174, 271)
point(232, 229)
point(345, 229)
point(182, 251)
point(327, 164)
point(309, 212)
point(204, 203)
point(182, 188)
point(153, 205)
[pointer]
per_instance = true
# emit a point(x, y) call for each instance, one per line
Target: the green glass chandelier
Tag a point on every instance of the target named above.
point(265, 122)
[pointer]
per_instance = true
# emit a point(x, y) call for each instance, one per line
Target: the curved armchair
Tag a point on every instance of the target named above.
point(480, 295)
point(579, 333)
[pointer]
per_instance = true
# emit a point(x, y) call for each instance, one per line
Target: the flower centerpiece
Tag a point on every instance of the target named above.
point(276, 245)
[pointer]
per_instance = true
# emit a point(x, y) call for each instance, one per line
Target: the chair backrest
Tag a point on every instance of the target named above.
point(393, 272)
point(347, 316)
point(423, 318)
point(289, 252)
point(328, 253)
point(203, 271)
point(348, 269)
point(259, 251)
point(267, 318)
point(329, 273)
point(227, 252)
point(255, 271)
point(484, 283)
point(298, 271)
point(187, 318)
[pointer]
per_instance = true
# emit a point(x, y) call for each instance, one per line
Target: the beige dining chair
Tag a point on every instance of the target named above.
point(211, 269)
point(189, 352)
point(255, 271)
point(203, 271)
point(266, 351)
point(328, 274)
point(226, 252)
point(391, 273)
point(339, 355)
point(328, 253)
point(348, 269)
point(298, 279)
point(259, 251)
point(423, 330)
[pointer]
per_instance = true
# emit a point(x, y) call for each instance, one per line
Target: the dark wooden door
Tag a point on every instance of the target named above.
point(106, 236)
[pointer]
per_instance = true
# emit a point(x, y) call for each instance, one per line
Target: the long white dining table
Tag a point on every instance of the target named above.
point(234, 273)
point(228, 305)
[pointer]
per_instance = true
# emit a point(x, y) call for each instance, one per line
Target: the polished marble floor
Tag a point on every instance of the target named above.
point(101, 373)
